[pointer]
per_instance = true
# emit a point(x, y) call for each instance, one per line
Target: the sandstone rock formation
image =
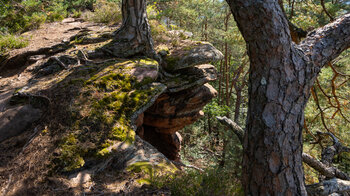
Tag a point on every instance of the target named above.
point(187, 93)
point(95, 103)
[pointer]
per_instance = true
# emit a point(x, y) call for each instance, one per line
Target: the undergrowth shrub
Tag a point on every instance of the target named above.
point(108, 12)
point(157, 28)
point(212, 182)
point(34, 21)
point(57, 11)
point(23, 15)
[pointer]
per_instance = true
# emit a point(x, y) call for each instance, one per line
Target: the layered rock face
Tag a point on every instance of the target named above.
point(187, 93)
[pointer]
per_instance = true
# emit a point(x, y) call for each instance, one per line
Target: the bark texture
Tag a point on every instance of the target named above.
point(281, 75)
point(134, 36)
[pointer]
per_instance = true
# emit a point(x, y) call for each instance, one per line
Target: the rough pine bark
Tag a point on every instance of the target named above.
point(134, 36)
point(280, 77)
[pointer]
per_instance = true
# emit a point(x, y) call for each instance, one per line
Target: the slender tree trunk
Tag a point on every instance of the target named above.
point(220, 81)
point(281, 75)
point(134, 36)
point(226, 74)
point(223, 155)
point(226, 97)
point(238, 104)
point(209, 124)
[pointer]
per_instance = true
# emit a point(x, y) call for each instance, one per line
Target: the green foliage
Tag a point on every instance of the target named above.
point(24, 15)
point(332, 90)
point(8, 42)
point(157, 29)
point(214, 109)
point(310, 14)
point(214, 181)
point(152, 12)
point(152, 171)
point(105, 12)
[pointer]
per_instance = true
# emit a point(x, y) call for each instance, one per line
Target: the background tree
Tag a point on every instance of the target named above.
point(134, 36)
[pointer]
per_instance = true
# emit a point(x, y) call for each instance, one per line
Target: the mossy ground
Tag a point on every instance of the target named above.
point(103, 111)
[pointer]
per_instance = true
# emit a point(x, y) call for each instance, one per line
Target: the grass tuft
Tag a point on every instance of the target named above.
point(8, 42)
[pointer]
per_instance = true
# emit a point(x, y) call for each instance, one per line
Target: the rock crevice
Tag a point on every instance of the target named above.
point(186, 95)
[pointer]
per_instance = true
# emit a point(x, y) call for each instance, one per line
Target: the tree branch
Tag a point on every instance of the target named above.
point(233, 126)
point(329, 172)
point(325, 10)
point(328, 187)
point(326, 43)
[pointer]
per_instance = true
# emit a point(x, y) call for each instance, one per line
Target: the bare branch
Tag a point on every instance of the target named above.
point(325, 10)
point(233, 126)
point(326, 43)
point(180, 164)
point(329, 172)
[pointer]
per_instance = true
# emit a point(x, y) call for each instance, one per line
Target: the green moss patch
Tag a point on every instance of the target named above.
point(151, 171)
point(108, 100)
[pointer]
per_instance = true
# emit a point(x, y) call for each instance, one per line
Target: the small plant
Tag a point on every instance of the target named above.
point(8, 42)
point(34, 21)
point(153, 172)
point(76, 14)
point(157, 29)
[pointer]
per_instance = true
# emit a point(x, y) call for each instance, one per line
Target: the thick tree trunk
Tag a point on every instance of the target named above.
point(340, 184)
point(281, 75)
point(134, 36)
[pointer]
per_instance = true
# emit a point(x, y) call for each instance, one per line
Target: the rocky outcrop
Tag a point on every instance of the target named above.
point(187, 93)
point(94, 104)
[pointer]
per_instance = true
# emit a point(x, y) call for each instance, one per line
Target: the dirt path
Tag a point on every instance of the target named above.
point(47, 36)
point(17, 73)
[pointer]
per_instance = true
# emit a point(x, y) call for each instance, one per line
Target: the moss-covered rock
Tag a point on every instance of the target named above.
point(187, 53)
point(107, 105)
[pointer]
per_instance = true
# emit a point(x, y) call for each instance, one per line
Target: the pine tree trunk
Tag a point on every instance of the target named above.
point(134, 36)
point(281, 75)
